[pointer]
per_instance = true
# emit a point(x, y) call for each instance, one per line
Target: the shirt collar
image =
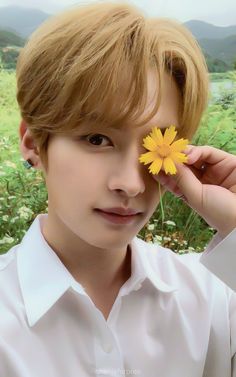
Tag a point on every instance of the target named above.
point(43, 278)
point(144, 257)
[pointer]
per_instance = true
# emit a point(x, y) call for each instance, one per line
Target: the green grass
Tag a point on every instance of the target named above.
point(23, 193)
point(215, 76)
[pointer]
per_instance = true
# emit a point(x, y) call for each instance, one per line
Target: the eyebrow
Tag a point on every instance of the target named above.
point(93, 123)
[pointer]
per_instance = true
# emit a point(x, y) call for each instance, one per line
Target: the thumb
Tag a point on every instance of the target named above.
point(189, 185)
point(183, 184)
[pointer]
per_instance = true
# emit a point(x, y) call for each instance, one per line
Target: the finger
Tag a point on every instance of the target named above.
point(181, 186)
point(209, 155)
point(189, 185)
point(168, 183)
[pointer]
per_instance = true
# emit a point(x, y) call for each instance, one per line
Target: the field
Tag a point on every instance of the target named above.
point(23, 194)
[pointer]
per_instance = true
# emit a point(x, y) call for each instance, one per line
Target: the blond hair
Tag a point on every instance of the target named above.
point(74, 67)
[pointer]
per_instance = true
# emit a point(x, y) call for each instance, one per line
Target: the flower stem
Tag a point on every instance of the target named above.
point(161, 204)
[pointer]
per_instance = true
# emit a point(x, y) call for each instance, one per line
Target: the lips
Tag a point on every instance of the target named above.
point(120, 211)
point(117, 219)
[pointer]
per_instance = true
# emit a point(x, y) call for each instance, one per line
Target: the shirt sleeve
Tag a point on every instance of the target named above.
point(234, 366)
point(220, 258)
point(232, 318)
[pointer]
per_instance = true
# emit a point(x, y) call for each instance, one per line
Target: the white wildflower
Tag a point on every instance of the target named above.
point(6, 239)
point(191, 248)
point(13, 220)
point(182, 251)
point(169, 222)
point(157, 239)
point(5, 218)
point(25, 213)
point(166, 238)
point(10, 164)
point(151, 227)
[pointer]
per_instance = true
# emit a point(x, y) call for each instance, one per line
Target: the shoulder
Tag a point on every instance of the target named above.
point(7, 258)
point(11, 301)
point(8, 273)
point(182, 270)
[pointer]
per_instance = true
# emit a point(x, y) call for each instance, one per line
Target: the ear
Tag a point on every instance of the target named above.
point(28, 148)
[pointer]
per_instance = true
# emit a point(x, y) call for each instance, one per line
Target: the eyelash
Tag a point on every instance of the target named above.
point(92, 135)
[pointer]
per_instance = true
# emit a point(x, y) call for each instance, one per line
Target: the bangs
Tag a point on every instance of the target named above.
point(122, 100)
point(100, 76)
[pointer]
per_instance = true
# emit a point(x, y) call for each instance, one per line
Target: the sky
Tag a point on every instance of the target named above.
point(217, 12)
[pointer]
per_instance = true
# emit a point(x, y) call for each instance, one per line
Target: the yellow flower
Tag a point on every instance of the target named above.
point(164, 153)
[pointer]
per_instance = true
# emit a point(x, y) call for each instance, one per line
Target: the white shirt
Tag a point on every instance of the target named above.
point(172, 318)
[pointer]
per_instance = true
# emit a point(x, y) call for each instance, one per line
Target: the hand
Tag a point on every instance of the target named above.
point(207, 185)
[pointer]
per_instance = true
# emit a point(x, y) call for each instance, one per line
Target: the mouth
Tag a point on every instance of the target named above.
point(117, 218)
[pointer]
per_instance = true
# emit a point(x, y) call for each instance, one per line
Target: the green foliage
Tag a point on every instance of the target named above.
point(22, 197)
point(216, 65)
point(219, 76)
point(10, 45)
point(8, 38)
point(9, 58)
point(23, 193)
point(220, 50)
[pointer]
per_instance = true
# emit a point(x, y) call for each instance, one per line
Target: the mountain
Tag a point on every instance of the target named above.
point(21, 20)
point(218, 43)
point(8, 38)
point(201, 29)
point(25, 20)
point(216, 65)
point(223, 49)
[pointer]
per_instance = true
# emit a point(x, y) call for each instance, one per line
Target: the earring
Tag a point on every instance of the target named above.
point(28, 164)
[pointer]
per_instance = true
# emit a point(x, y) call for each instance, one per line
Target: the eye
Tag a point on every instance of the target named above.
point(95, 139)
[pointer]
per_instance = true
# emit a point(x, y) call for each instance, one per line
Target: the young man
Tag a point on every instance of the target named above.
point(85, 296)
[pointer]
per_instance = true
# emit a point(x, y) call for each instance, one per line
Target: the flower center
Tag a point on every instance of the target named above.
point(164, 150)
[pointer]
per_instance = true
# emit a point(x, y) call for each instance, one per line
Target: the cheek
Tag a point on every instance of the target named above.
point(78, 177)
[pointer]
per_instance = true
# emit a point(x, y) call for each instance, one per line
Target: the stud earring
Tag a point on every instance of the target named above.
point(28, 164)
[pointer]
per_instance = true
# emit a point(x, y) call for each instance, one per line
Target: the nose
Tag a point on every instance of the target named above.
point(127, 176)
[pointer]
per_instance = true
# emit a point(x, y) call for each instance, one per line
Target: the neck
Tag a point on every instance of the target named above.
point(94, 268)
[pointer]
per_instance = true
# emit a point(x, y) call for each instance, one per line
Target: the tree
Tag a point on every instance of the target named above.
point(9, 58)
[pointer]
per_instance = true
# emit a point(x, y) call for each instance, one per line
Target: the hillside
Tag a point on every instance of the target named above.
point(21, 20)
point(8, 38)
point(218, 43)
point(201, 29)
point(223, 49)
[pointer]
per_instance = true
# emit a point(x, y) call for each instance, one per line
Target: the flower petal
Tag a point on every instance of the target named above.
point(169, 135)
point(169, 166)
point(155, 167)
point(148, 157)
point(157, 136)
point(179, 145)
point(149, 143)
point(178, 157)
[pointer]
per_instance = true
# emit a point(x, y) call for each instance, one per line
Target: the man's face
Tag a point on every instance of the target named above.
point(102, 171)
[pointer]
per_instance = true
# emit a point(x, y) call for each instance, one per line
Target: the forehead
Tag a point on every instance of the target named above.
point(167, 114)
